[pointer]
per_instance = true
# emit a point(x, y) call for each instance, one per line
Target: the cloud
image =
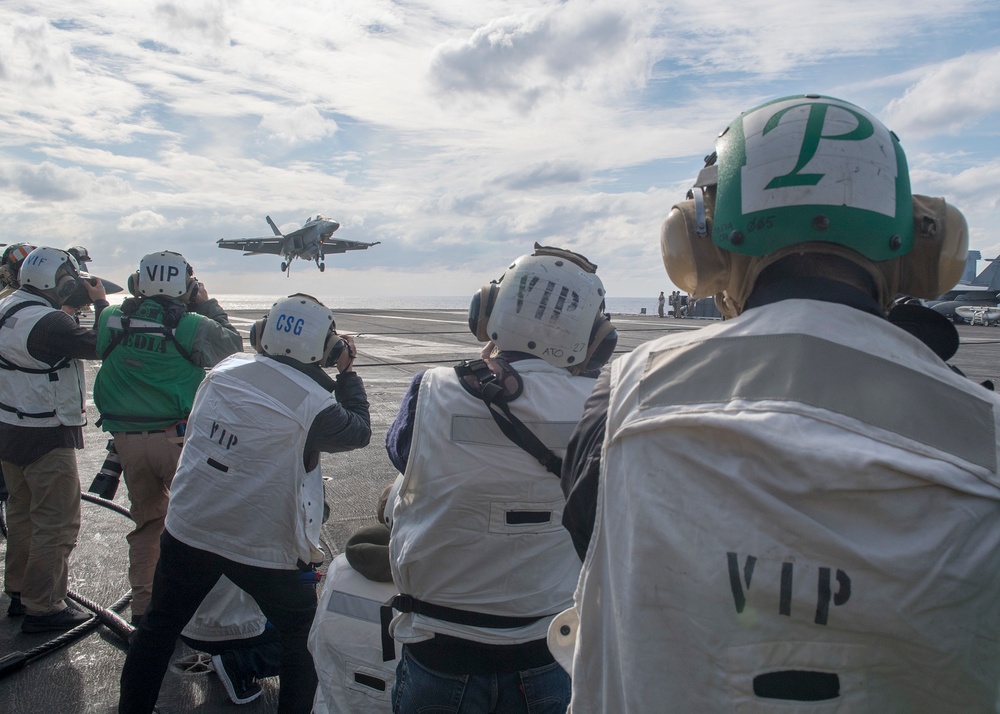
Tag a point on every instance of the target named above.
point(301, 125)
point(49, 182)
point(527, 57)
point(755, 39)
point(36, 56)
point(146, 220)
point(949, 96)
point(195, 21)
point(544, 174)
point(454, 132)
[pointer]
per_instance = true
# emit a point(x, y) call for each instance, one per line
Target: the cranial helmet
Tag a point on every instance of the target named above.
point(11, 261)
point(301, 327)
point(163, 274)
point(52, 272)
point(549, 304)
point(810, 174)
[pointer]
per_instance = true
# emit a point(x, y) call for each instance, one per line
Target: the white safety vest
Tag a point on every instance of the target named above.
point(43, 399)
point(803, 488)
point(346, 644)
point(241, 489)
point(227, 613)
point(477, 525)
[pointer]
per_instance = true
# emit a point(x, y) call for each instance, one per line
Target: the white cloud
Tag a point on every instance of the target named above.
point(145, 220)
point(455, 132)
point(36, 59)
point(49, 182)
point(301, 125)
point(949, 96)
point(531, 57)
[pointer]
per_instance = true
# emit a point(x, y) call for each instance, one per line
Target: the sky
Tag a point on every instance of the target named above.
point(456, 133)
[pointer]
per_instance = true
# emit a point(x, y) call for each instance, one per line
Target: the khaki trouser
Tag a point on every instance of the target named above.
point(43, 521)
point(149, 460)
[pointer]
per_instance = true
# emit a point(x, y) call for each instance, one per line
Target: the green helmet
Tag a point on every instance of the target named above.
point(811, 168)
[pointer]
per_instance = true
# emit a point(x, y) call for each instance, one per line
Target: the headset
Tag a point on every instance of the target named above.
point(66, 286)
point(700, 267)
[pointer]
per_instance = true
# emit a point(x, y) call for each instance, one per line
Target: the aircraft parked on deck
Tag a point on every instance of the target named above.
point(972, 290)
point(311, 242)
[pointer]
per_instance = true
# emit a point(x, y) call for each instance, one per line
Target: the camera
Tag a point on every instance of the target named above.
point(105, 484)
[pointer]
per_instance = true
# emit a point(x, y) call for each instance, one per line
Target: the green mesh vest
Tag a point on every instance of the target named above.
point(145, 383)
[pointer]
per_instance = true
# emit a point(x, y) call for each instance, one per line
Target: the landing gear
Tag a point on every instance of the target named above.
point(322, 267)
point(284, 266)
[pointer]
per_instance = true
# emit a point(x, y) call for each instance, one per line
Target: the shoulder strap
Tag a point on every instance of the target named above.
point(10, 366)
point(491, 391)
point(127, 329)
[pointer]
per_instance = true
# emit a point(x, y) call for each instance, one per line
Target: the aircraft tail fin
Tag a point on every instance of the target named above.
point(273, 227)
point(969, 274)
point(990, 276)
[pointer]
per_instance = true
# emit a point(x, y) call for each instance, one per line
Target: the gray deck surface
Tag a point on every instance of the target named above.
point(393, 346)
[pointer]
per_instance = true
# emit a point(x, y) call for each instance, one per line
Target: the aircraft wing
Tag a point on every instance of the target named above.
point(254, 246)
point(342, 246)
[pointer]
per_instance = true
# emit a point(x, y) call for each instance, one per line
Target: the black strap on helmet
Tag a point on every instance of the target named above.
point(491, 376)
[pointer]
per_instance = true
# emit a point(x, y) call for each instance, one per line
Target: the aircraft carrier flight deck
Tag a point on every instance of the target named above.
point(392, 346)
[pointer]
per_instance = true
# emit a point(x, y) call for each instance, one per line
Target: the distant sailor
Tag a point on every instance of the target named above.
point(796, 509)
point(247, 499)
point(155, 349)
point(478, 553)
point(10, 263)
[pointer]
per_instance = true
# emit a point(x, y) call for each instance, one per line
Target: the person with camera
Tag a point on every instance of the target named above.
point(477, 551)
point(42, 414)
point(794, 509)
point(247, 498)
point(155, 348)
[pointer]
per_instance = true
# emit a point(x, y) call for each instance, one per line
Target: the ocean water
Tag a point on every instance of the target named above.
point(616, 306)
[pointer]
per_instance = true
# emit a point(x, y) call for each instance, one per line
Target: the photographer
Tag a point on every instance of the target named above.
point(155, 349)
point(247, 500)
point(42, 414)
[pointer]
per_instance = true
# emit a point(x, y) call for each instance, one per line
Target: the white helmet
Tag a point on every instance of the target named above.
point(51, 271)
point(549, 304)
point(162, 274)
point(301, 327)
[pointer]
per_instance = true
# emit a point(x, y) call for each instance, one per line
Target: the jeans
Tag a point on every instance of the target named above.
point(419, 690)
point(184, 576)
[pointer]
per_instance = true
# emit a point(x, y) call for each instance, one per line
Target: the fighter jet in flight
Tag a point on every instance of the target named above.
point(311, 242)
